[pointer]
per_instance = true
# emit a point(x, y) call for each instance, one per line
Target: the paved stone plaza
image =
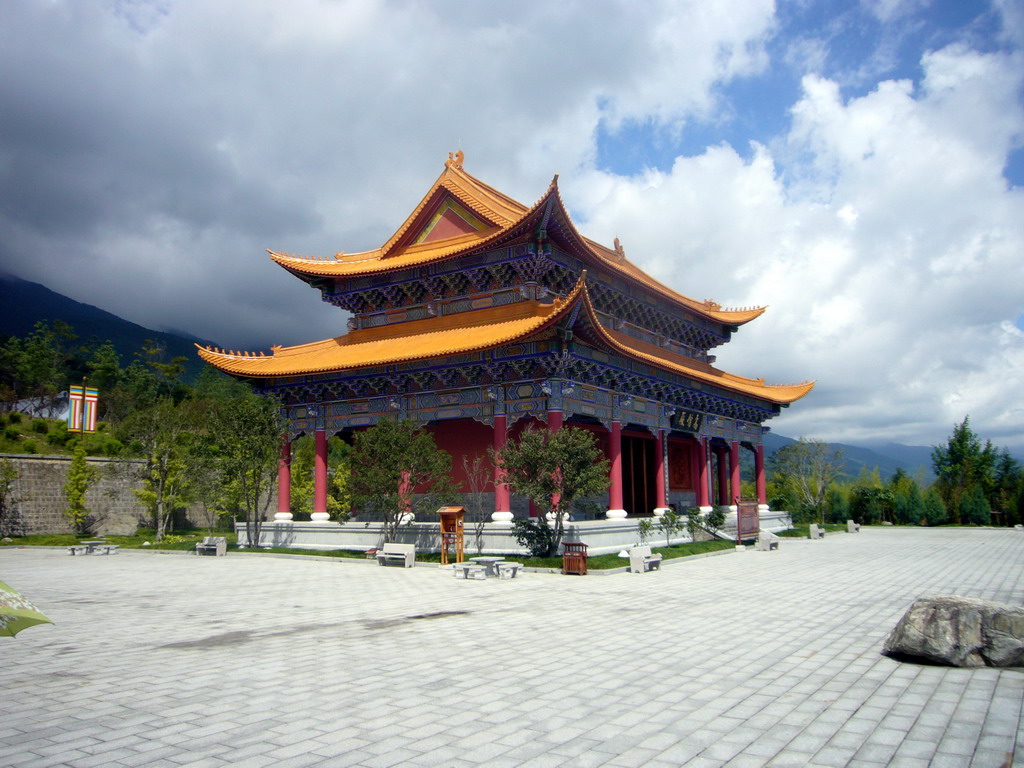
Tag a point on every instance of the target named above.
point(745, 659)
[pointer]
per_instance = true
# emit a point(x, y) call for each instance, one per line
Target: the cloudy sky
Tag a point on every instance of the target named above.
point(858, 168)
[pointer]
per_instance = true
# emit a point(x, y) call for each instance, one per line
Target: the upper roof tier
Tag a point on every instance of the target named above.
point(461, 215)
point(475, 331)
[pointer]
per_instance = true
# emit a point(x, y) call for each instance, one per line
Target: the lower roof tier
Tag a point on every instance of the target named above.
point(481, 330)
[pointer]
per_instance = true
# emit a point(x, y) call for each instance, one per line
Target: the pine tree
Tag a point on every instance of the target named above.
point(934, 509)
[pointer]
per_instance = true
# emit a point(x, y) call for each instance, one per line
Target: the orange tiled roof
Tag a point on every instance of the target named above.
point(472, 331)
point(503, 214)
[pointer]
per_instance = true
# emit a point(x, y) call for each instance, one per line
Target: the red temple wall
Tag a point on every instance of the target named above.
point(464, 437)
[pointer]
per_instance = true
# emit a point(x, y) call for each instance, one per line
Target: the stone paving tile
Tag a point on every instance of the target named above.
point(322, 664)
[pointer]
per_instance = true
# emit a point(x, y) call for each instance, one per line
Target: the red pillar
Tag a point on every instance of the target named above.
point(502, 496)
point(703, 497)
point(661, 500)
point(735, 488)
point(723, 476)
point(762, 492)
point(615, 459)
point(320, 477)
point(284, 479)
point(554, 420)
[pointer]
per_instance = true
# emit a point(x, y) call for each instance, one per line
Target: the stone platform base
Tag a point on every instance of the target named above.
point(602, 536)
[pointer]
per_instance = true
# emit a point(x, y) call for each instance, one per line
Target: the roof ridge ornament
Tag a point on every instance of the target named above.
point(455, 160)
point(619, 250)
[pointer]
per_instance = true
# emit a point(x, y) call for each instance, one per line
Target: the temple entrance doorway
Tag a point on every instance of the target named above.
point(638, 462)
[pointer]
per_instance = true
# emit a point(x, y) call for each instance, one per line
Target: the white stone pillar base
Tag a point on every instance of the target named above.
point(705, 510)
point(615, 514)
point(282, 515)
point(762, 508)
point(405, 518)
point(661, 511)
point(319, 517)
point(502, 518)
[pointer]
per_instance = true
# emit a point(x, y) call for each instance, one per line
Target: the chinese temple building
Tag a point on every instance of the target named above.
point(481, 315)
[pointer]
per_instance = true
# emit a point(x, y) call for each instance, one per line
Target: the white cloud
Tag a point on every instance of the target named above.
point(889, 249)
point(149, 155)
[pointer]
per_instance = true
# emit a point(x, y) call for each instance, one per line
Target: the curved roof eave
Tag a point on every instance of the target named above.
point(495, 327)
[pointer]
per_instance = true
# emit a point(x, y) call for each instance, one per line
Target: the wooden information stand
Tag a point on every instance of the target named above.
point(452, 532)
point(748, 522)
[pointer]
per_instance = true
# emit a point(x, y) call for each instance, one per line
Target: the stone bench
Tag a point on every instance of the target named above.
point(212, 545)
point(852, 527)
point(642, 559)
point(469, 571)
point(106, 549)
point(508, 570)
point(766, 542)
point(816, 532)
point(392, 552)
point(78, 549)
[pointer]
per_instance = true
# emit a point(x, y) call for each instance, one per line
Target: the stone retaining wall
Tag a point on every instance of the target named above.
point(40, 489)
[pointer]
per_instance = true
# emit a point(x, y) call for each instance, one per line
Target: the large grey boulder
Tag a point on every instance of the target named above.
point(960, 632)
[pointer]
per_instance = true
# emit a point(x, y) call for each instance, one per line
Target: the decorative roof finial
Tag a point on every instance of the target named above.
point(455, 161)
point(619, 250)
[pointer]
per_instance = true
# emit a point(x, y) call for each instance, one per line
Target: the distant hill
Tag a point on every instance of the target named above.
point(25, 303)
point(888, 457)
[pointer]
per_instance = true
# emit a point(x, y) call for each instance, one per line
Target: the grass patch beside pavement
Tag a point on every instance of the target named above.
point(803, 530)
point(188, 541)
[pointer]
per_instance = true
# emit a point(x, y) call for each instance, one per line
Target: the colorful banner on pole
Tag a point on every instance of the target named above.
point(82, 407)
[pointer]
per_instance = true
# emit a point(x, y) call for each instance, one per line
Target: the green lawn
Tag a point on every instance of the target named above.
point(802, 531)
point(187, 541)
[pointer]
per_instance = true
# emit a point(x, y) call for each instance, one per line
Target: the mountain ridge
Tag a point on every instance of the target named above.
point(25, 303)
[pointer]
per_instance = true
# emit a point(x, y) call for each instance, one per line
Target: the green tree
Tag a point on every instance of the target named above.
point(807, 468)
point(80, 478)
point(836, 504)
point(907, 504)
point(168, 375)
point(870, 504)
point(398, 472)
point(934, 508)
point(974, 508)
point(1008, 486)
point(248, 430)
point(554, 470)
point(478, 478)
point(163, 433)
point(962, 464)
point(670, 524)
point(104, 366)
point(33, 370)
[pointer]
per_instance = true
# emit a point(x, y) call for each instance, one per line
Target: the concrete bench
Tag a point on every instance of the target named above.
point(106, 549)
point(508, 570)
point(392, 552)
point(816, 532)
point(212, 545)
point(766, 542)
point(78, 549)
point(642, 559)
point(852, 527)
point(470, 571)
